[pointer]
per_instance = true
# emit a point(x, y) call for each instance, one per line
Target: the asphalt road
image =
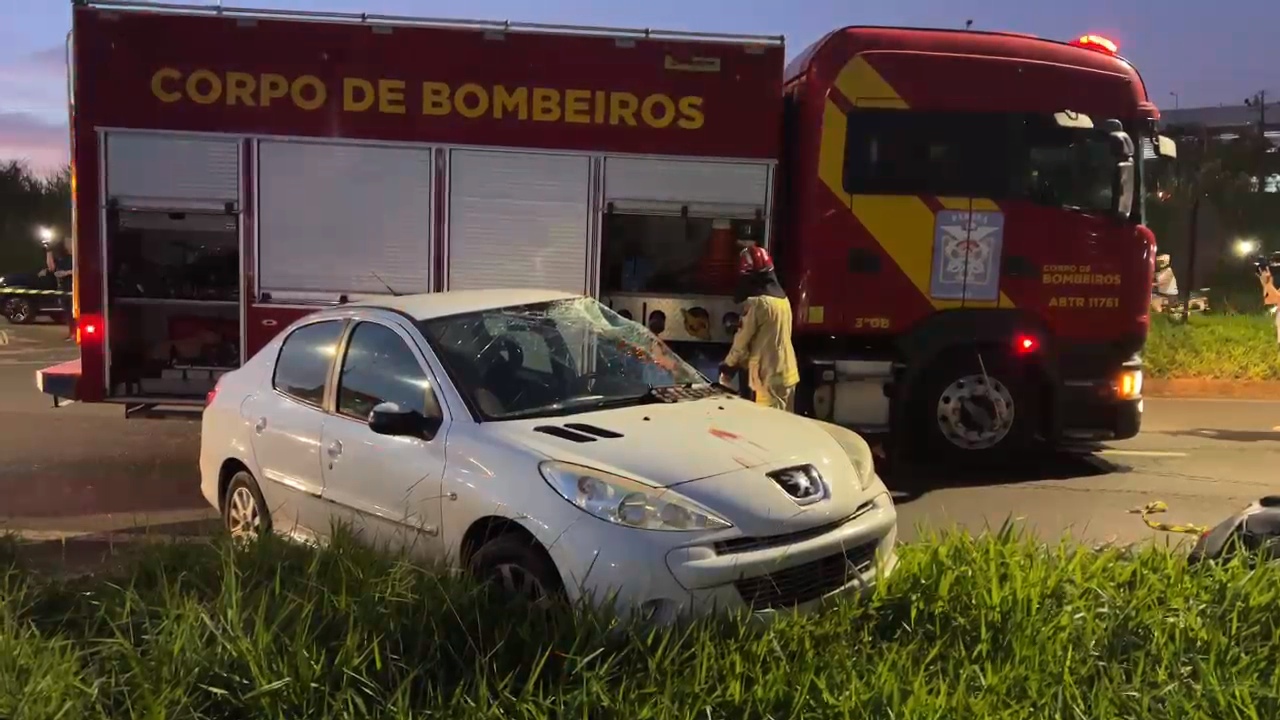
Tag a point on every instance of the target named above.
point(82, 469)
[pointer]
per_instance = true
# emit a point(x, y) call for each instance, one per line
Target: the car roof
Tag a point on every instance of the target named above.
point(427, 306)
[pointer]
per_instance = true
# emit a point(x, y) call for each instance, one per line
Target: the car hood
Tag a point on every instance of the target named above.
point(669, 444)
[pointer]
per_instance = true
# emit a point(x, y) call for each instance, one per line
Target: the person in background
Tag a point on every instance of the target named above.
point(60, 262)
point(763, 340)
point(1270, 296)
point(1166, 284)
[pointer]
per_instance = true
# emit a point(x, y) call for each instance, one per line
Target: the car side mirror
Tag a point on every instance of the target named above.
point(390, 419)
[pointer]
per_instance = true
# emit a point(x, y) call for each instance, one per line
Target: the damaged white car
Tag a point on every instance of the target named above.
point(541, 440)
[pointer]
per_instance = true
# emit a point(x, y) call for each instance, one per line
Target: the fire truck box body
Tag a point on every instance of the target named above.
point(339, 157)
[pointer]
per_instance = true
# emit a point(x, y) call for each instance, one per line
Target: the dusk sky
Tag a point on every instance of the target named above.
point(1209, 53)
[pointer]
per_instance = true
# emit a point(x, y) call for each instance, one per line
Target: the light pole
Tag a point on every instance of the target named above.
point(1175, 99)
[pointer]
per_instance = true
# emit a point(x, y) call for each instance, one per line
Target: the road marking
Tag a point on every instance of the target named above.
point(1143, 453)
point(4, 337)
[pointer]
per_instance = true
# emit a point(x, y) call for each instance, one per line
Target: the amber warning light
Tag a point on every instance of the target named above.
point(1096, 42)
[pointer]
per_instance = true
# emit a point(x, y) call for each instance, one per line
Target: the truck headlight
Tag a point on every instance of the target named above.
point(624, 501)
point(1129, 384)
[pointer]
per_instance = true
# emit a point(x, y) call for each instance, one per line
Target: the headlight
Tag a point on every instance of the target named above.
point(857, 449)
point(624, 501)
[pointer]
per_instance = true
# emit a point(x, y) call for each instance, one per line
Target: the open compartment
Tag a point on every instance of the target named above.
point(173, 320)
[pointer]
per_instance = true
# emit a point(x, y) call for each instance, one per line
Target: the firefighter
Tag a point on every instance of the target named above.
point(762, 343)
point(1166, 285)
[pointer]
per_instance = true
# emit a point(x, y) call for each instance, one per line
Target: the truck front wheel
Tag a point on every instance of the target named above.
point(975, 406)
point(19, 311)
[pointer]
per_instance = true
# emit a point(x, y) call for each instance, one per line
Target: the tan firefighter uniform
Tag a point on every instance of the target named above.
point(764, 342)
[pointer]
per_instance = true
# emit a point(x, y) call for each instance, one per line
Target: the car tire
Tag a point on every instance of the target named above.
point(19, 311)
point(244, 510)
point(515, 564)
point(975, 411)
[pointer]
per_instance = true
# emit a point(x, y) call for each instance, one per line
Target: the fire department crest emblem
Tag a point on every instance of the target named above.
point(966, 255)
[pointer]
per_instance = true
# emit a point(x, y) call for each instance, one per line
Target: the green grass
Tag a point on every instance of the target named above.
point(992, 627)
point(1230, 347)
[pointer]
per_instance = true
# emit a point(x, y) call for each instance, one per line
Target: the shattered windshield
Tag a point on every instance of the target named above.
point(553, 358)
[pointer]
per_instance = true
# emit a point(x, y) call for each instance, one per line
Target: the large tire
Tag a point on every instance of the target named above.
point(244, 510)
point(514, 564)
point(19, 311)
point(975, 406)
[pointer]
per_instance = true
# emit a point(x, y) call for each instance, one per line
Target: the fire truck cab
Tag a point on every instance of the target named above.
point(961, 231)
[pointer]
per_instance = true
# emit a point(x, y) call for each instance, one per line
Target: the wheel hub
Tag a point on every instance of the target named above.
point(17, 311)
point(975, 412)
point(516, 580)
point(243, 519)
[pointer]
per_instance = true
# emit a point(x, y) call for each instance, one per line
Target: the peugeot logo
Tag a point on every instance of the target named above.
point(802, 483)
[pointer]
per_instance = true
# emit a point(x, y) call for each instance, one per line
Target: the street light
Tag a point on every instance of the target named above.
point(1245, 248)
point(45, 233)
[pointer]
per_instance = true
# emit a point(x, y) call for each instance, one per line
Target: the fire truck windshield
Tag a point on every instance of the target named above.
point(999, 156)
point(553, 358)
point(1070, 169)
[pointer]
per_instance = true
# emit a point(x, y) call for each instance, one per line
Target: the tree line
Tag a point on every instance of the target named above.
point(1234, 180)
point(29, 201)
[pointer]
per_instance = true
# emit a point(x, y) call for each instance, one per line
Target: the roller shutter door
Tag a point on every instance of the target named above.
point(146, 170)
point(343, 219)
point(706, 188)
point(518, 220)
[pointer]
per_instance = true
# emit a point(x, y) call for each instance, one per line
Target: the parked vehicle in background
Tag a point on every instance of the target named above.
point(426, 422)
point(969, 268)
point(25, 297)
point(1198, 302)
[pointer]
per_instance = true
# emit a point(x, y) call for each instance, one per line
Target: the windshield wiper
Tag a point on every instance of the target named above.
point(575, 405)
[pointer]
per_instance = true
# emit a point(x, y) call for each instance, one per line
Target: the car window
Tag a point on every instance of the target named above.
point(302, 368)
point(537, 353)
point(379, 367)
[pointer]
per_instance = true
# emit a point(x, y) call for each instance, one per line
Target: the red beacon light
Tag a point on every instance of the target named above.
point(1026, 344)
point(1096, 43)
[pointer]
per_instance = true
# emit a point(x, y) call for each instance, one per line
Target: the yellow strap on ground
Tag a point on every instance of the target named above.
point(1157, 506)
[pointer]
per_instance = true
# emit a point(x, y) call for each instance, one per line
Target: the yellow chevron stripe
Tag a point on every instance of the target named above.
point(902, 225)
point(24, 291)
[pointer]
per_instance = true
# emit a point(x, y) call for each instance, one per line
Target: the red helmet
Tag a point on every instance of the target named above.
point(754, 259)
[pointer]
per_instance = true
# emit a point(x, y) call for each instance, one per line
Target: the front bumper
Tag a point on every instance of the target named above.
point(1091, 410)
point(662, 576)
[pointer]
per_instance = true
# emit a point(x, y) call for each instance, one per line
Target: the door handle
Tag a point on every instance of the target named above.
point(335, 449)
point(260, 425)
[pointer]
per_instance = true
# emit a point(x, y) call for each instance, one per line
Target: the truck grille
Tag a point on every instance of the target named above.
point(797, 585)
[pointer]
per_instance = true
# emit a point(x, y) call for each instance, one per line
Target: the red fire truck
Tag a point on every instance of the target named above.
point(956, 215)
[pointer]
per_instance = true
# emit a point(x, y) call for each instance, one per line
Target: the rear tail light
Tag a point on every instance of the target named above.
point(209, 396)
point(88, 329)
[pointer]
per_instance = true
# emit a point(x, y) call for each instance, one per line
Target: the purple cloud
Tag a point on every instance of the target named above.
point(33, 107)
point(26, 136)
